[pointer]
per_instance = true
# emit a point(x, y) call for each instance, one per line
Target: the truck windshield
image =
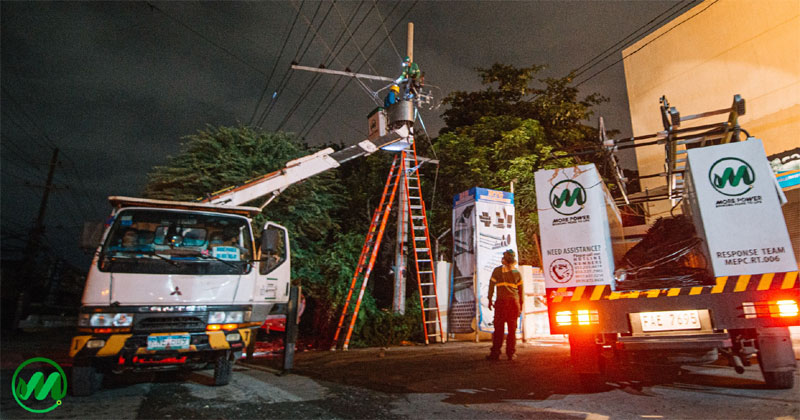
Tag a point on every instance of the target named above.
point(177, 242)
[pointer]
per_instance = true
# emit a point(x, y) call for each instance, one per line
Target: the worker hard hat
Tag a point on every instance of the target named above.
point(395, 88)
point(406, 59)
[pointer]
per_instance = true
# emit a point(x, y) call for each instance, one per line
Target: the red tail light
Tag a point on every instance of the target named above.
point(770, 309)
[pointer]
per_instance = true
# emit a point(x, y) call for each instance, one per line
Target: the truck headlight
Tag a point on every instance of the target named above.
point(217, 317)
point(234, 317)
point(226, 317)
point(122, 320)
point(119, 319)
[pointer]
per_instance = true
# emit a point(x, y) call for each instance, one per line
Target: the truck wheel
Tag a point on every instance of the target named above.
point(223, 367)
point(779, 380)
point(776, 357)
point(86, 380)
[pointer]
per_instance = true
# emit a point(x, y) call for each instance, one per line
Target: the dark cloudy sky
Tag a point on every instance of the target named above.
point(116, 85)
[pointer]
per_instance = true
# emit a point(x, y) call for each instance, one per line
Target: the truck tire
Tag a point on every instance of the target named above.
point(776, 357)
point(223, 368)
point(86, 380)
point(779, 380)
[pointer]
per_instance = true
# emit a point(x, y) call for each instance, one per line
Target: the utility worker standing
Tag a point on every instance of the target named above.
point(391, 97)
point(508, 282)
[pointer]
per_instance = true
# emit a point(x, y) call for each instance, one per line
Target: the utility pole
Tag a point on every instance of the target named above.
point(32, 248)
point(400, 261)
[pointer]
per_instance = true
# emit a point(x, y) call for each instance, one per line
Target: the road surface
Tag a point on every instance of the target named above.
point(438, 381)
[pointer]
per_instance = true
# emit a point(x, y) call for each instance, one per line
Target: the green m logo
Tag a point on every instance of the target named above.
point(731, 176)
point(39, 387)
point(565, 195)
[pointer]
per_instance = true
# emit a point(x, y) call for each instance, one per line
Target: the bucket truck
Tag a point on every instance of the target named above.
point(183, 284)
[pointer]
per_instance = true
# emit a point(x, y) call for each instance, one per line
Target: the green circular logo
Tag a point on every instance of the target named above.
point(731, 176)
point(39, 387)
point(565, 195)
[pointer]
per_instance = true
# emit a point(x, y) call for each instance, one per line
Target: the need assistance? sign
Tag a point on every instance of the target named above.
point(733, 200)
point(576, 223)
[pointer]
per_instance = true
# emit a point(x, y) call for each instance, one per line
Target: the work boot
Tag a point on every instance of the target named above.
point(493, 357)
point(512, 357)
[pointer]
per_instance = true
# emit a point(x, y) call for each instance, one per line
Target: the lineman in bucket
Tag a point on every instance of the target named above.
point(508, 281)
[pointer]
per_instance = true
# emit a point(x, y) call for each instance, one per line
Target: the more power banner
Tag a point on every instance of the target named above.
point(576, 216)
point(462, 298)
point(733, 199)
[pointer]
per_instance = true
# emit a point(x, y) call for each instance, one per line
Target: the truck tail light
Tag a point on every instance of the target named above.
point(564, 318)
point(769, 309)
point(579, 317)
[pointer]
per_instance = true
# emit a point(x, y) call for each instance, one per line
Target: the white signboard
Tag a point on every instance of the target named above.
point(574, 226)
point(733, 200)
point(495, 233)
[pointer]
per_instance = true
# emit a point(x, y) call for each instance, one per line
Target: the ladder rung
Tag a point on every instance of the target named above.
point(417, 217)
point(413, 188)
point(428, 296)
point(421, 227)
point(420, 238)
point(423, 249)
point(416, 207)
point(431, 322)
point(426, 284)
point(423, 260)
point(430, 309)
point(426, 272)
point(433, 335)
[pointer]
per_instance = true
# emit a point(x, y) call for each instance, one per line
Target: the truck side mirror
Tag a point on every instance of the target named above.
point(91, 235)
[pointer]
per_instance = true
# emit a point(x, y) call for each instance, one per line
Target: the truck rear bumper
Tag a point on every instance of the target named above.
point(674, 342)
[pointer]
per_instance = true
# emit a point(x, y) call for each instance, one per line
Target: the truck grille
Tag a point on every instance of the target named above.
point(173, 323)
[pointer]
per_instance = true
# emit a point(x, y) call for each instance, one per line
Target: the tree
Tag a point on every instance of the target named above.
point(507, 131)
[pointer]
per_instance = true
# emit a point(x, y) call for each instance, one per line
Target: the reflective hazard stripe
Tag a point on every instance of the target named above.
point(731, 284)
point(506, 284)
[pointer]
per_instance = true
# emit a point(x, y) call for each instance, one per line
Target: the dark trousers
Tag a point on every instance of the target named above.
point(506, 311)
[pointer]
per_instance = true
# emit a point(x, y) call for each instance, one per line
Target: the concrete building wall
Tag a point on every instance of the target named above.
point(701, 59)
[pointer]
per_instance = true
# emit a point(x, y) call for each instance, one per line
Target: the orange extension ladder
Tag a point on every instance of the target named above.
point(405, 173)
point(369, 253)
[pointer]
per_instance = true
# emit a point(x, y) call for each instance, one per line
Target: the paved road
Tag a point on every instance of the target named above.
point(439, 381)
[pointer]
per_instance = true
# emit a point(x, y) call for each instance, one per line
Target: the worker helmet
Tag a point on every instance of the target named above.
point(395, 88)
point(406, 59)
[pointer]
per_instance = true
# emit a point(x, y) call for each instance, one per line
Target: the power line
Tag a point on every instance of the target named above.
point(274, 66)
point(288, 74)
point(380, 18)
point(583, 68)
point(207, 39)
point(312, 125)
point(316, 112)
point(648, 43)
point(327, 62)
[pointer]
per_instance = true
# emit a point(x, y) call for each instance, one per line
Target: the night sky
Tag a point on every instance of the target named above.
point(116, 85)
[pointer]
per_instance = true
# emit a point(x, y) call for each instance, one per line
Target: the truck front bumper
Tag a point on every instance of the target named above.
point(131, 349)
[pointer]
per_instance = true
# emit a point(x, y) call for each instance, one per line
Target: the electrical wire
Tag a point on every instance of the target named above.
point(380, 18)
point(316, 120)
point(645, 45)
point(207, 39)
point(287, 76)
point(583, 67)
point(274, 66)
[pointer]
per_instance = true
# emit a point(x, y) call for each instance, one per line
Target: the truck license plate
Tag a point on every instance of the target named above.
point(168, 342)
point(670, 320)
